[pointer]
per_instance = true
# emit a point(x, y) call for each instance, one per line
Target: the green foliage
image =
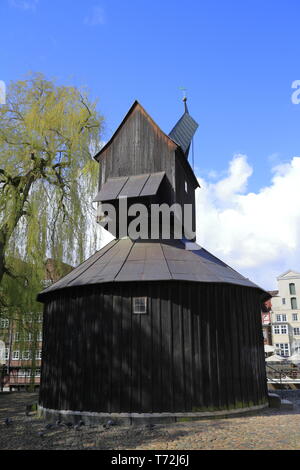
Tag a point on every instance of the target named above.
point(47, 175)
point(47, 182)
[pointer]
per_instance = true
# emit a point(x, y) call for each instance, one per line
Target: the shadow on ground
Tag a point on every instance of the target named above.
point(28, 431)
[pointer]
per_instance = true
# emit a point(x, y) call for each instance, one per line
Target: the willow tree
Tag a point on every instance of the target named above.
point(47, 180)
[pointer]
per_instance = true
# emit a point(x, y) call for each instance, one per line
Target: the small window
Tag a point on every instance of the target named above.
point(38, 354)
point(26, 355)
point(294, 303)
point(295, 316)
point(283, 329)
point(292, 289)
point(16, 355)
point(296, 331)
point(28, 337)
point(4, 323)
point(283, 349)
point(283, 301)
point(281, 317)
point(139, 304)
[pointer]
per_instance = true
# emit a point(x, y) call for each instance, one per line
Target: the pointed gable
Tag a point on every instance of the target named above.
point(135, 114)
point(137, 147)
point(290, 274)
point(140, 147)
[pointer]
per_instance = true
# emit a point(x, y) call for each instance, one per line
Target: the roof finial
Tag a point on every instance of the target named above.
point(184, 99)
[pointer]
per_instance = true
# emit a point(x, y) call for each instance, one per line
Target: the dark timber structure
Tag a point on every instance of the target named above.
point(149, 328)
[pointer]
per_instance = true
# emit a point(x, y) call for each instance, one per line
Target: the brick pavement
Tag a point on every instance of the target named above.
point(269, 429)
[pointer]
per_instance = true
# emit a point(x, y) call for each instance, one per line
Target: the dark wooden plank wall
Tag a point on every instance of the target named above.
point(138, 148)
point(199, 347)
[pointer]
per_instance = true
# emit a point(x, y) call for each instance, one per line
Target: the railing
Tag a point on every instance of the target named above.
point(281, 376)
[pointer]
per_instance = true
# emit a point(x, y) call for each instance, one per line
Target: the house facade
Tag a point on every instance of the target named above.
point(22, 335)
point(285, 314)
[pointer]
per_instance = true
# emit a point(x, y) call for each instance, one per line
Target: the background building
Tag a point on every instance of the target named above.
point(22, 335)
point(285, 314)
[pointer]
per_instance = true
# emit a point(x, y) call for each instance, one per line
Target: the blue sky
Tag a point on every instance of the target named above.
point(236, 59)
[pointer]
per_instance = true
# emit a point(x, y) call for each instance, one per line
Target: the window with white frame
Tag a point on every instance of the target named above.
point(37, 372)
point(281, 317)
point(16, 355)
point(40, 336)
point(17, 336)
point(295, 316)
point(139, 305)
point(296, 331)
point(26, 355)
point(21, 373)
point(28, 337)
point(283, 349)
point(6, 354)
point(38, 354)
point(4, 323)
point(280, 329)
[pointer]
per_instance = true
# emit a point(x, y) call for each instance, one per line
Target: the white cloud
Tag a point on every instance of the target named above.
point(95, 16)
point(24, 4)
point(258, 234)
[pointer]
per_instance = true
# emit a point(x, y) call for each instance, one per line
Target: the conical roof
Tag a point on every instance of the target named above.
point(124, 260)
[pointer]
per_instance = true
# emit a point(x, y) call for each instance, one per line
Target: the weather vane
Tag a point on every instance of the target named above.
point(184, 99)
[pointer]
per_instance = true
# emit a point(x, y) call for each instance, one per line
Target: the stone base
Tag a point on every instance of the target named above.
point(93, 418)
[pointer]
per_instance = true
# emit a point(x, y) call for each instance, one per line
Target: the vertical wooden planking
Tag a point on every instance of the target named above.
point(227, 332)
point(213, 349)
point(106, 352)
point(235, 348)
point(136, 365)
point(253, 372)
point(157, 389)
point(126, 377)
point(146, 354)
point(177, 340)
point(197, 347)
point(259, 342)
point(196, 316)
point(166, 349)
point(221, 313)
point(116, 360)
point(187, 339)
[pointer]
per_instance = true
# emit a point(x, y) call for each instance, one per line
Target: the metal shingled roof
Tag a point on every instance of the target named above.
point(149, 260)
point(182, 133)
point(130, 186)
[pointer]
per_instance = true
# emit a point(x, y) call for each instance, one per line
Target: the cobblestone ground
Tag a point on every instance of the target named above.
point(269, 429)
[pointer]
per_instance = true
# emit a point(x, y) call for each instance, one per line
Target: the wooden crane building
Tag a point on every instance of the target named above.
point(146, 328)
